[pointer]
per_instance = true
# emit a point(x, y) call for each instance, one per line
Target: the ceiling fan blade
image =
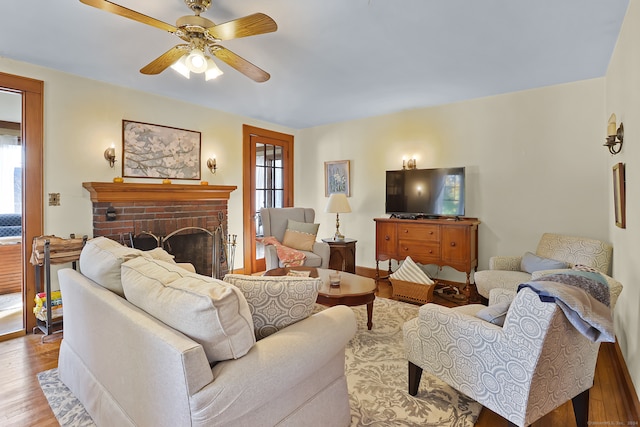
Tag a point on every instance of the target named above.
point(165, 60)
point(251, 25)
point(128, 13)
point(241, 64)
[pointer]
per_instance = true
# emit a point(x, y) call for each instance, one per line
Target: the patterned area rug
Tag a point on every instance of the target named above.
point(376, 375)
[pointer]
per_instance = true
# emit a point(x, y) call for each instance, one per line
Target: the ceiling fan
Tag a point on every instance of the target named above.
point(202, 36)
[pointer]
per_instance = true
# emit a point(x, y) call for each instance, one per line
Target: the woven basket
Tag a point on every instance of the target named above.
point(412, 292)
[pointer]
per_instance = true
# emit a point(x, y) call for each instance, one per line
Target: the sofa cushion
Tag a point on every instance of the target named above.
point(495, 313)
point(276, 301)
point(300, 235)
point(100, 261)
point(209, 311)
point(532, 262)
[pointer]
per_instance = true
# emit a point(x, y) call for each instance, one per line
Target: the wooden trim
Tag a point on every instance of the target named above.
point(130, 192)
point(9, 125)
point(627, 388)
point(248, 181)
point(32, 135)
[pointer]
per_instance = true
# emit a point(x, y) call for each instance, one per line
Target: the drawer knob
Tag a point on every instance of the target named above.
point(431, 232)
point(406, 230)
point(453, 243)
point(387, 238)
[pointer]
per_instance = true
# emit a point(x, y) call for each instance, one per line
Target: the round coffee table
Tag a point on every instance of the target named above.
point(353, 290)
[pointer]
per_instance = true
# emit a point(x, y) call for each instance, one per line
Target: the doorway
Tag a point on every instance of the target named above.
point(26, 170)
point(11, 161)
point(267, 182)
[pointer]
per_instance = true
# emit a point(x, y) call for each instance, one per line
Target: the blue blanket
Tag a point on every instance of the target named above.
point(584, 299)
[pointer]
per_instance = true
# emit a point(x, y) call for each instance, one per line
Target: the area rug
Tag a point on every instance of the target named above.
point(376, 375)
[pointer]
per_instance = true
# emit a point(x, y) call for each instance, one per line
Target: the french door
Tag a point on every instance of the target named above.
point(268, 183)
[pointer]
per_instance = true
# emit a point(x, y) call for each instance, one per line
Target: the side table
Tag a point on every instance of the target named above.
point(342, 255)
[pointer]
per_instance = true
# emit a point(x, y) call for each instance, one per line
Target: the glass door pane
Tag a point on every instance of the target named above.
point(269, 184)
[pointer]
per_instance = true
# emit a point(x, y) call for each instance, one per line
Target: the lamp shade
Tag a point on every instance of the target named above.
point(338, 203)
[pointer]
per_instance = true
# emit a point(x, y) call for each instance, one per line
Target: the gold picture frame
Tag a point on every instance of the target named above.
point(619, 202)
point(156, 151)
point(336, 178)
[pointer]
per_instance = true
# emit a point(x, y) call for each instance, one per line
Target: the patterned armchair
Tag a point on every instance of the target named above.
point(504, 271)
point(274, 222)
point(522, 370)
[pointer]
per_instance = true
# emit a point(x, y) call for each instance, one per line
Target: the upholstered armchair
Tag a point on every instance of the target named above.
point(275, 222)
point(522, 370)
point(507, 272)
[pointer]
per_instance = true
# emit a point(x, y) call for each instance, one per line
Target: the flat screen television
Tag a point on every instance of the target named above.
point(425, 193)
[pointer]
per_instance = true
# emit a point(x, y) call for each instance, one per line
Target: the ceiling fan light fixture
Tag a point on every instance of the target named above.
point(181, 66)
point(196, 61)
point(212, 70)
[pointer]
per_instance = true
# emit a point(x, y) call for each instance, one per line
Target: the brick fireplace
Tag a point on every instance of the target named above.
point(142, 215)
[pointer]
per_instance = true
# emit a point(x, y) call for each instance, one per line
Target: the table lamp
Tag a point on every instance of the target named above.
point(338, 204)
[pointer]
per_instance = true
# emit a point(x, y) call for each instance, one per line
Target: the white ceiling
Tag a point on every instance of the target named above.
point(332, 60)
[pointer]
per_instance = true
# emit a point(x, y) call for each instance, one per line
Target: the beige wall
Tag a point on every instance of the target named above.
point(622, 83)
point(535, 163)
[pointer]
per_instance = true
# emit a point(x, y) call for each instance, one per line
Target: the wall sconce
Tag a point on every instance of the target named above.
point(409, 164)
point(614, 136)
point(212, 164)
point(110, 155)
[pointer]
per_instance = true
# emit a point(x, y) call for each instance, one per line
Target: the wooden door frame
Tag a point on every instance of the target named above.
point(32, 92)
point(248, 177)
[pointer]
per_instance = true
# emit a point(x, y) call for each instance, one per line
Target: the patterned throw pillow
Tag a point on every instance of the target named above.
point(410, 272)
point(300, 235)
point(278, 301)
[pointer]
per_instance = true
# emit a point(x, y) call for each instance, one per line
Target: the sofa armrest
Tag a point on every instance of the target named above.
point(271, 257)
point(498, 295)
point(323, 250)
point(510, 263)
point(279, 363)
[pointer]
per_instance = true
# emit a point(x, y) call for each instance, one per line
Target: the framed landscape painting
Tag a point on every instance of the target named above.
point(154, 151)
point(336, 178)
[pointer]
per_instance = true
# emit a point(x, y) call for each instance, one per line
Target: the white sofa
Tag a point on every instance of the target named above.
point(128, 368)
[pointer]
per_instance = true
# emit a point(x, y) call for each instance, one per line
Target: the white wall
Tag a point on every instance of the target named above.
point(535, 163)
point(83, 117)
point(622, 98)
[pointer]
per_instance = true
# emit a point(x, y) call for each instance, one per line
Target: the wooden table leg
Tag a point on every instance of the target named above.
point(370, 315)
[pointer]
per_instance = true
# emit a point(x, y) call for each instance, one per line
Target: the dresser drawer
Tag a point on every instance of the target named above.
point(419, 232)
point(420, 251)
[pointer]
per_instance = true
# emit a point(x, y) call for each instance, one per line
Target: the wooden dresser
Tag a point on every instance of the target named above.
point(443, 242)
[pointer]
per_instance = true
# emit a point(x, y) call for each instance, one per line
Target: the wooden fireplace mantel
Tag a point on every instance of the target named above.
point(128, 192)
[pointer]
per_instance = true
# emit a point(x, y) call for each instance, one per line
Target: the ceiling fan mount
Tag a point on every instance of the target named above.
point(198, 6)
point(201, 34)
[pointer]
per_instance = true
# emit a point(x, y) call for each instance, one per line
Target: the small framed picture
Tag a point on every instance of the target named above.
point(155, 151)
point(336, 178)
point(619, 201)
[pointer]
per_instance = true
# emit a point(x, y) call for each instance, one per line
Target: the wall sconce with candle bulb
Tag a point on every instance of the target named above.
point(212, 164)
point(409, 163)
point(110, 155)
point(614, 136)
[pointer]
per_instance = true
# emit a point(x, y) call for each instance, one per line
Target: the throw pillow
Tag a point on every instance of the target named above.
point(300, 235)
point(277, 302)
point(100, 261)
point(532, 262)
point(495, 313)
point(161, 254)
point(209, 311)
point(410, 272)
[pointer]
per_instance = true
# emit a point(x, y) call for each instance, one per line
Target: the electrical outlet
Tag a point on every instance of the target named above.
point(54, 199)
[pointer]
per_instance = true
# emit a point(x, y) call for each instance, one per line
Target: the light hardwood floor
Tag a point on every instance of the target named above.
point(23, 404)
